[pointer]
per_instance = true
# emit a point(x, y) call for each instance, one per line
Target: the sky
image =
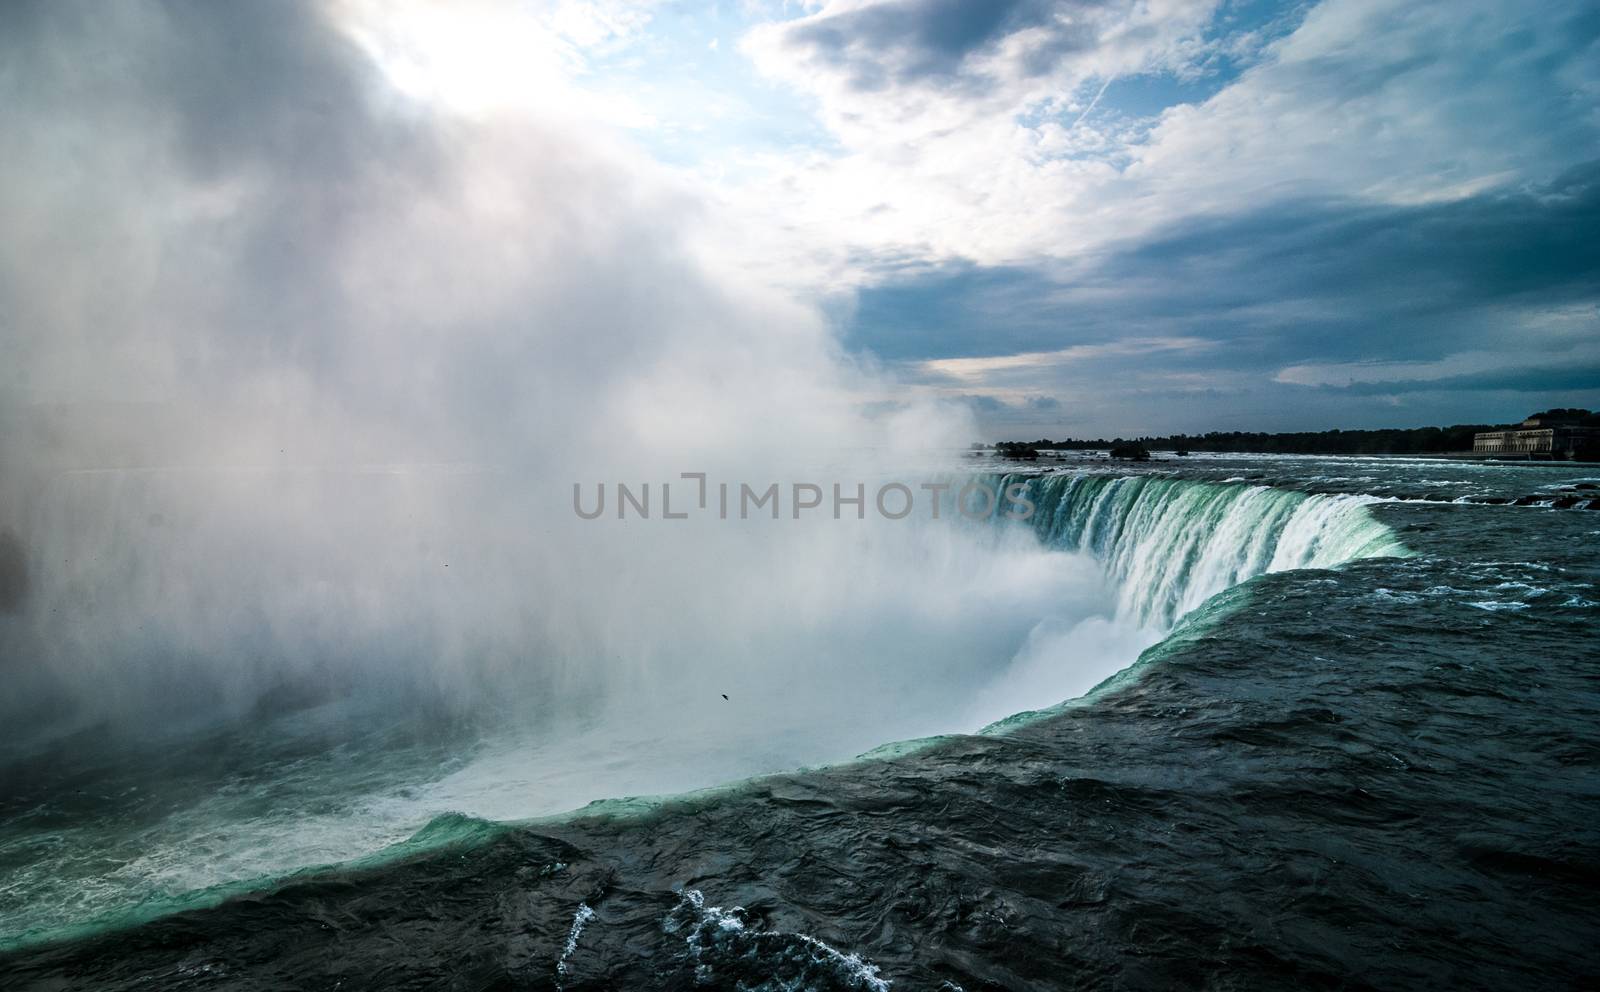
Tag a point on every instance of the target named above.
point(1077, 218)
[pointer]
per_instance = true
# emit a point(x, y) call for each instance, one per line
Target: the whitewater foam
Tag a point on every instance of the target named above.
point(1167, 546)
point(1171, 544)
point(580, 919)
point(725, 949)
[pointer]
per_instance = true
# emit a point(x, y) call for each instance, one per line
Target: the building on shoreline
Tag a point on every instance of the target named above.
point(1541, 436)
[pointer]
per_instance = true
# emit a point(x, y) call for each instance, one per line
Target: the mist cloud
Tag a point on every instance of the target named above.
point(307, 370)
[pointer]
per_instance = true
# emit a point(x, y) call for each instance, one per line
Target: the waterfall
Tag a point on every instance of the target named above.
point(1171, 544)
point(1165, 546)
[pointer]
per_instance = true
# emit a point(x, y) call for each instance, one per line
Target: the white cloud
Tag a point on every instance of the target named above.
point(1045, 363)
point(1388, 102)
point(982, 152)
point(483, 57)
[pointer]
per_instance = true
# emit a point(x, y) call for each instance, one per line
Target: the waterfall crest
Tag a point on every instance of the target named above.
point(1171, 544)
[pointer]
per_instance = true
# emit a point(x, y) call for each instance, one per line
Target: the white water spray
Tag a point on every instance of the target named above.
point(1166, 545)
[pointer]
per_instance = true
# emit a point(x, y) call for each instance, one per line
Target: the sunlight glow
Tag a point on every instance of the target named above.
point(473, 57)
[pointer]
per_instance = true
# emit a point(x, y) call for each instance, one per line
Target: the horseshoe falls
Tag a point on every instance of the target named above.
point(1168, 545)
point(941, 627)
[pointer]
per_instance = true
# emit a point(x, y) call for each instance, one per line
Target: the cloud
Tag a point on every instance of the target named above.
point(1001, 51)
point(932, 41)
point(997, 367)
point(984, 403)
point(1565, 377)
point(1503, 287)
point(1003, 409)
point(1390, 102)
point(955, 144)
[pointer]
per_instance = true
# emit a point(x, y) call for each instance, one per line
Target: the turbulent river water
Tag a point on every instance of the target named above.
point(1342, 732)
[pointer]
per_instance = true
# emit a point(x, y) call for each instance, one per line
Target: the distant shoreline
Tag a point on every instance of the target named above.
point(1456, 442)
point(1167, 455)
point(1443, 456)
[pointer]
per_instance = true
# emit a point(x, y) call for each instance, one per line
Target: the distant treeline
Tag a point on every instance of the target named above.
point(1417, 441)
point(1412, 441)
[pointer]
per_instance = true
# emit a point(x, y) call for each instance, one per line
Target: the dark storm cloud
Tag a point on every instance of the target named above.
point(1410, 283)
point(1300, 282)
point(984, 403)
point(913, 41)
point(1525, 380)
point(999, 410)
